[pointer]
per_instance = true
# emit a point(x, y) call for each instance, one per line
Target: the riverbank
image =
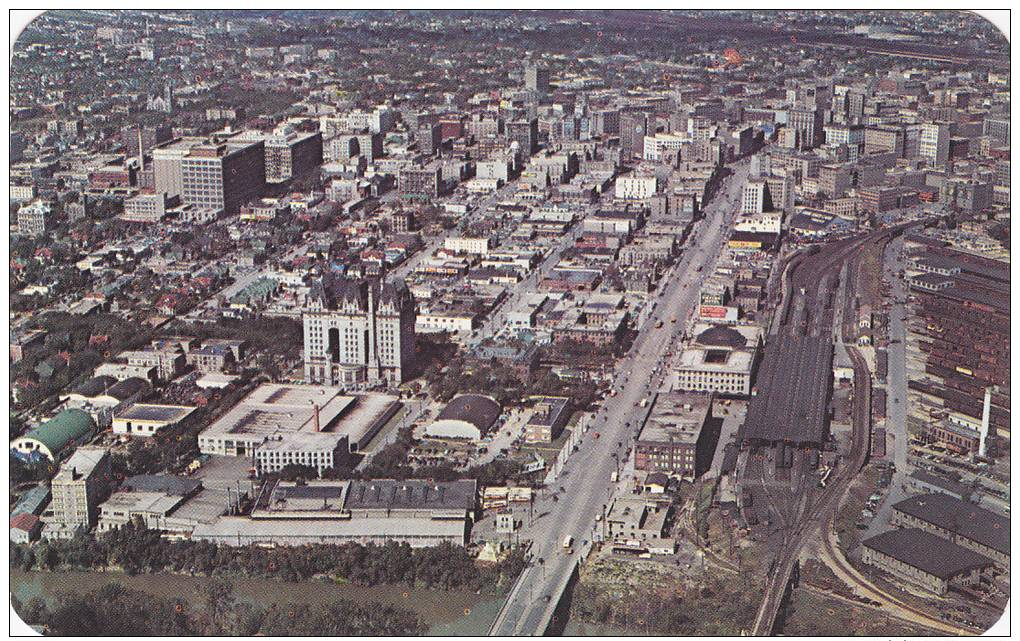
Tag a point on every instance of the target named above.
point(453, 612)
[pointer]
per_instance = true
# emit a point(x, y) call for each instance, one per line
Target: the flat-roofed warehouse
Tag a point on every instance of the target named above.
point(145, 419)
point(171, 504)
point(310, 425)
point(791, 402)
point(240, 531)
point(312, 500)
point(424, 499)
point(417, 512)
point(959, 521)
point(924, 559)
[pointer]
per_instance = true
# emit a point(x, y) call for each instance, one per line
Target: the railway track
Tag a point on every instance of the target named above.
point(888, 603)
point(810, 274)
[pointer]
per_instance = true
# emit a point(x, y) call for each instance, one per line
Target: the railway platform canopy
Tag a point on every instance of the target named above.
point(790, 404)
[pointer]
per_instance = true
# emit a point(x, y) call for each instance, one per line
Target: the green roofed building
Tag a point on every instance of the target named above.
point(53, 438)
point(255, 294)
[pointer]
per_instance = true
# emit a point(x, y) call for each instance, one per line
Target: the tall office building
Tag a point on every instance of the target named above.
point(149, 136)
point(167, 162)
point(525, 133)
point(419, 183)
point(634, 126)
point(808, 124)
point(884, 139)
point(292, 156)
point(755, 198)
point(605, 121)
point(429, 137)
point(536, 78)
point(358, 333)
point(781, 193)
point(997, 129)
point(34, 219)
point(223, 175)
point(934, 143)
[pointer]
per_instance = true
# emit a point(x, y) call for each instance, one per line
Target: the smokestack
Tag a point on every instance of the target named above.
point(985, 419)
point(316, 412)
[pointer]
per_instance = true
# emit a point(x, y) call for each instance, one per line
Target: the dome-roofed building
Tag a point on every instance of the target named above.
point(721, 336)
point(52, 438)
point(720, 359)
point(467, 416)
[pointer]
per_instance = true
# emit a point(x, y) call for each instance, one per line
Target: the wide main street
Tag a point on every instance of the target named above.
point(585, 483)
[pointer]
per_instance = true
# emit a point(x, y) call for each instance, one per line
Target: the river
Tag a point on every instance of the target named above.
point(458, 613)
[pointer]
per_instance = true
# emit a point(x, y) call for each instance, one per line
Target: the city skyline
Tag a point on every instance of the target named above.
point(555, 322)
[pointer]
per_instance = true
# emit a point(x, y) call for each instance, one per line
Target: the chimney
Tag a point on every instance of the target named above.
point(985, 419)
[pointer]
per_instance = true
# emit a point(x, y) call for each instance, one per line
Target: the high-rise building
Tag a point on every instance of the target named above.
point(850, 135)
point(997, 129)
point(879, 140)
point(808, 124)
point(167, 163)
point(634, 126)
point(79, 486)
point(292, 156)
point(755, 198)
point(419, 183)
point(525, 133)
point(780, 190)
point(430, 138)
point(149, 136)
point(358, 333)
point(536, 78)
point(606, 121)
point(934, 143)
point(370, 146)
point(342, 148)
point(223, 175)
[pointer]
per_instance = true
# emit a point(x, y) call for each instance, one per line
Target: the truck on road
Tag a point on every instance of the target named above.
point(567, 542)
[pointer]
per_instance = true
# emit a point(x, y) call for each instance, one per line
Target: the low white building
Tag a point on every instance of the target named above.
point(636, 187)
point(145, 419)
point(468, 245)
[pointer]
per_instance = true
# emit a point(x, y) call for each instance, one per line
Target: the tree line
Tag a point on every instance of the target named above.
point(135, 549)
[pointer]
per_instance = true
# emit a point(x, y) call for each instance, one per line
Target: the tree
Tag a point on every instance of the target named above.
point(219, 600)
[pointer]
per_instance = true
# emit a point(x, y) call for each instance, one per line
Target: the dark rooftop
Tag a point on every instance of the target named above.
point(127, 388)
point(309, 492)
point(480, 411)
point(793, 387)
point(949, 485)
point(927, 552)
point(392, 494)
point(960, 517)
point(722, 336)
point(95, 386)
